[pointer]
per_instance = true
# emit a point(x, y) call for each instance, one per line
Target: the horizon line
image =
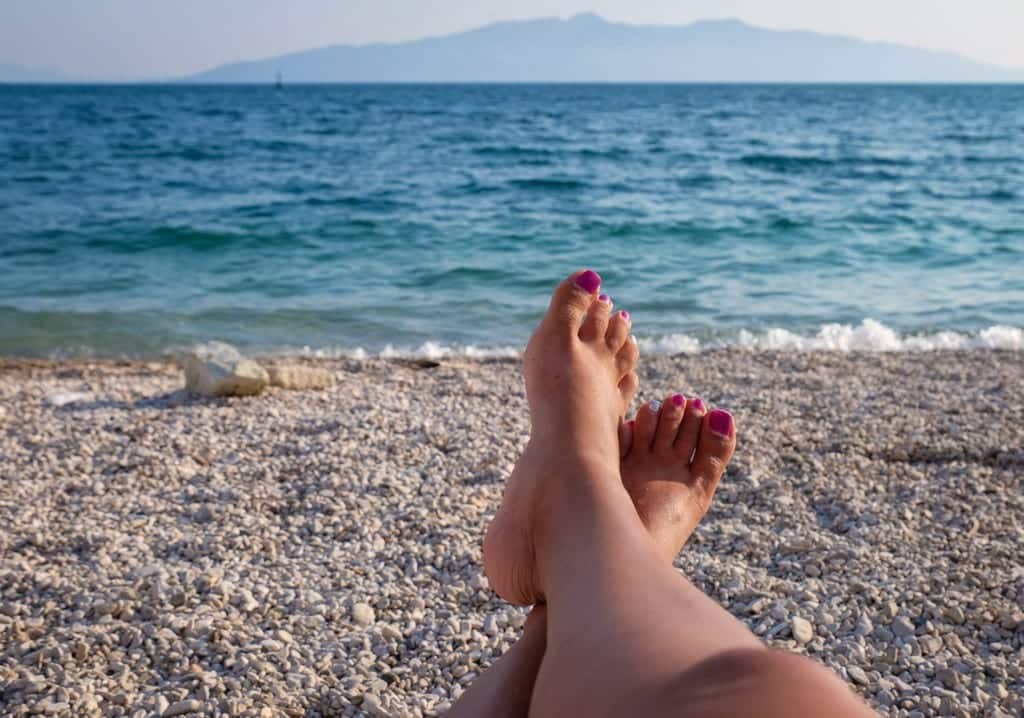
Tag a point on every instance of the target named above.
point(518, 83)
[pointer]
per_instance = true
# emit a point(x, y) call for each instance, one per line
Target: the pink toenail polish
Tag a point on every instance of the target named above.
point(589, 281)
point(605, 298)
point(678, 399)
point(721, 423)
point(631, 423)
point(625, 314)
point(697, 405)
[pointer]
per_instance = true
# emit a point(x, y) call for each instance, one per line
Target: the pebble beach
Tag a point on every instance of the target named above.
point(318, 553)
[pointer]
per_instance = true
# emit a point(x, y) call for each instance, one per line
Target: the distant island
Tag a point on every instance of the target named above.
point(588, 48)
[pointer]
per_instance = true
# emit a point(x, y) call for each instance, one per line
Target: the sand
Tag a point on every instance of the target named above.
point(309, 553)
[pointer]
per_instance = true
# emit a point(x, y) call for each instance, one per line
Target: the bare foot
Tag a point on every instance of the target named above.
point(578, 368)
point(673, 455)
point(668, 508)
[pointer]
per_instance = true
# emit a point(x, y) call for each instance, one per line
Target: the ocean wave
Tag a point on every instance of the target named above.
point(426, 350)
point(549, 184)
point(868, 336)
point(784, 162)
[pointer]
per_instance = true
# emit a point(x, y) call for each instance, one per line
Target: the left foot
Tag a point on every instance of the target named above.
point(578, 368)
point(673, 455)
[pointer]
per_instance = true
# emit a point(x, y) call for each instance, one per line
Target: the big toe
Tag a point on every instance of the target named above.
point(571, 300)
point(715, 447)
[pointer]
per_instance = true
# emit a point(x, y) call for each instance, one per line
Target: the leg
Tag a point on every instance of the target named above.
point(670, 502)
point(505, 689)
point(626, 633)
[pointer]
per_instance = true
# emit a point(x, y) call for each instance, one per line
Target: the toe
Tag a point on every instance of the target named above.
point(626, 437)
point(668, 423)
point(596, 323)
point(627, 357)
point(571, 300)
point(628, 386)
point(714, 449)
point(646, 425)
point(689, 432)
point(618, 330)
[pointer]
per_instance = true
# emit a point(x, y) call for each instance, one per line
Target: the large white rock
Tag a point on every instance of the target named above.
point(218, 369)
point(296, 376)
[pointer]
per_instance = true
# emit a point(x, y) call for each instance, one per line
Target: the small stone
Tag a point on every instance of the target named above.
point(63, 398)
point(371, 704)
point(903, 627)
point(204, 515)
point(363, 614)
point(857, 675)
point(930, 645)
point(1011, 620)
point(181, 708)
point(296, 376)
point(218, 369)
point(491, 625)
point(949, 678)
point(955, 614)
point(801, 629)
point(245, 602)
point(160, 705)
point(479, 582)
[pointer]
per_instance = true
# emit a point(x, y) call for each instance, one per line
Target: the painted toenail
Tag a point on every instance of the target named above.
point(655, 406)
point(605, 298)
point(631, 423)
point(589, 281)
point(625, 314)
point(678, 399)
point(697, 405)
point(721, 423)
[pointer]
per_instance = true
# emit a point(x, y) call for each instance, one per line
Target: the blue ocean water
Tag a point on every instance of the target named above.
point(424, 219)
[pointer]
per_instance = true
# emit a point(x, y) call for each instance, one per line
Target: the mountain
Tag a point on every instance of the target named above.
point(587, 48)
point(20, 74)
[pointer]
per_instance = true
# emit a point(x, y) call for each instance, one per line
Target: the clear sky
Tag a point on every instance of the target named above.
point(157, 38)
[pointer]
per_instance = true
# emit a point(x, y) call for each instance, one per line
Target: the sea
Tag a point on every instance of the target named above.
point(433, 220)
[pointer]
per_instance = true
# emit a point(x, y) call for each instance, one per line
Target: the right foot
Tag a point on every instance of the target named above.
point(578, 368)
point(673, 455)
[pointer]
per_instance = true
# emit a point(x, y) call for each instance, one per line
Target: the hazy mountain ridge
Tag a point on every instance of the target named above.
point(587, 48)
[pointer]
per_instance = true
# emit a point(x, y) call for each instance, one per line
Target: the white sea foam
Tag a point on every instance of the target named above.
point(868, 336)
point(427, 350)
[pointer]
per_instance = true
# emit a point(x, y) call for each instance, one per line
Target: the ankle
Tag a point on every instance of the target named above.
point(566, 459)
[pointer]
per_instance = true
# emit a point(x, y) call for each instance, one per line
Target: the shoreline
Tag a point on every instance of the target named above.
point(15, 362)
point(318, 552)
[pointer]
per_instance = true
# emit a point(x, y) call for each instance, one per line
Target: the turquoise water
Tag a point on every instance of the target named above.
point(425, 219)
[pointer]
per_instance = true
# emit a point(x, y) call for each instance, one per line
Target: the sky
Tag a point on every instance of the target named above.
point(134, 39)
